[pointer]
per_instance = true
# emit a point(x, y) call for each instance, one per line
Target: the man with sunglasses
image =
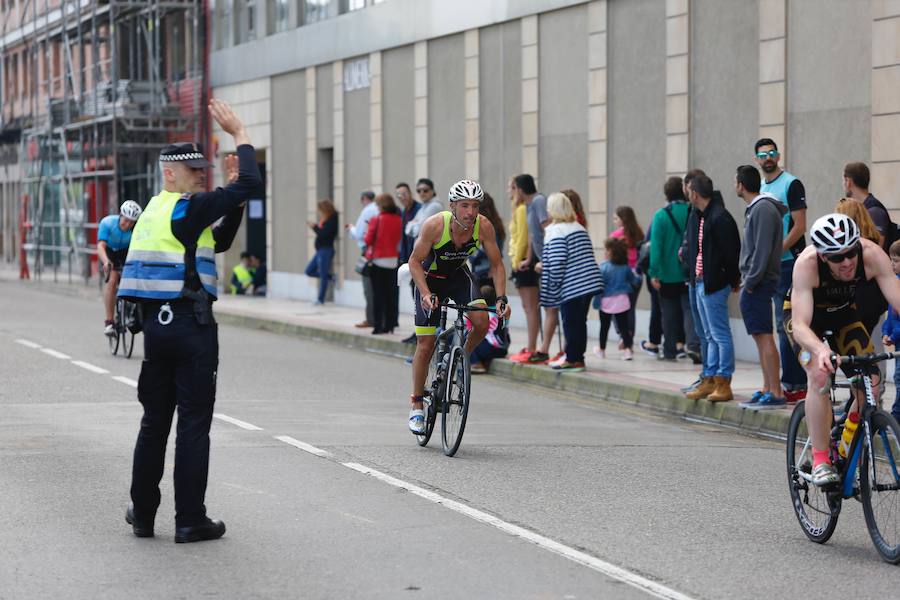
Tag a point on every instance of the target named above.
point(827, 275)
point(430, 207)
point(790, 191)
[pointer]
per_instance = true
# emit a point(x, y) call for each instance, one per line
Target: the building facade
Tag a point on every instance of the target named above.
point(607, 97)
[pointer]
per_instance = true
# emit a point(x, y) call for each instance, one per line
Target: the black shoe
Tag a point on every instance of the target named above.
point(695, 357)
point(140, 528)
point(410, 340)
point(210, 529)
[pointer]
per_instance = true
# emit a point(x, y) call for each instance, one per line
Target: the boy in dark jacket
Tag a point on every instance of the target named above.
point(712, 254)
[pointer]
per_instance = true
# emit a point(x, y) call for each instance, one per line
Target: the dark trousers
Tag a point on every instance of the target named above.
point(574, 321)
point(178, 372)
point(676, 314)
point(793, 377)
point(656, 330)
point(385, 298)
point(621, 322)
point(484, 353)
point(368, 294)
point(631, 317)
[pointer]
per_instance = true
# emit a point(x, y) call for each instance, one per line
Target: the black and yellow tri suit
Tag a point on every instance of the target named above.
point(448, 275)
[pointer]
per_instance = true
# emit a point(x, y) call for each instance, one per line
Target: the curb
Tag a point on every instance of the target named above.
point(726, 414)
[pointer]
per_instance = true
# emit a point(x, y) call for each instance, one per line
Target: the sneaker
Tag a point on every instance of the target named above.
point(109, 329)
point(537, 358)
point(649, 348)
point(521, 357)
point(754, 400)
point(417, 421)
point(627, 354)
point(577, 367)
point(695, 357)
point(362, 324)
point(558, 360)
point(680, 353)
point(793, 396)
point(411, 339)
point(599, 353)
point(559, 356)
point(693, 386)
point(769, 401)
point(824, 474)
point(478, 369)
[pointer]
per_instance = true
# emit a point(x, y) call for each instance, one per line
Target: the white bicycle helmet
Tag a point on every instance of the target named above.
point(834, 233)
point(465, 190)
point(131, 210)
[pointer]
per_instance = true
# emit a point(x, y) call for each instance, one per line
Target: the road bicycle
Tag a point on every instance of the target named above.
point(126, 322)
point(869, 473)
point(448, 382)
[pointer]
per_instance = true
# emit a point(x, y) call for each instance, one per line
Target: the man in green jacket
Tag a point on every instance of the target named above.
point(667, 276)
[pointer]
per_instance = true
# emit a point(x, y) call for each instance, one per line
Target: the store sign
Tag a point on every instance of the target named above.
point(356, 74)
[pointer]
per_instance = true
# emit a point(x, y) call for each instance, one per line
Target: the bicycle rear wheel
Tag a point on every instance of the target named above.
point(432, 402)
point(816, 509)
point(880, 486)
point(455, 407)
point(114, 339)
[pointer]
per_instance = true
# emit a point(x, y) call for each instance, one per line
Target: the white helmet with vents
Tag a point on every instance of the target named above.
point(131, 210)
point(834, 233)
point(466, 190)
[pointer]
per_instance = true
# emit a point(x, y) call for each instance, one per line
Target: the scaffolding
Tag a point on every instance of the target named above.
point(111, 81)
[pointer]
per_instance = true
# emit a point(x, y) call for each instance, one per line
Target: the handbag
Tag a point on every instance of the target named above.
point(614, 305)
point(362, 266)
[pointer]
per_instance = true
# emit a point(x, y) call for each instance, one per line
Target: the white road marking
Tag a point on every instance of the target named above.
point(55, 353)
point(126, 381)
point(28, 343)
point(238, 422)
point(90, 367)
point(618, 573)
point(303, 446)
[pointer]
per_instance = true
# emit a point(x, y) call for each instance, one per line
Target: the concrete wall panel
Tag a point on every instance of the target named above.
point(446, 112)
point(324, 106)
point(563, 105)
point(500, 110)
point(724, 92)
point(829, 95)
point(357, 171)
point(288, 156)
point(398, 80)
point(637, 106)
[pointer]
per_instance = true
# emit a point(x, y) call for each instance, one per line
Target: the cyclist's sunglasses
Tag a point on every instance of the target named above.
point(769, 154)
point(839, 258)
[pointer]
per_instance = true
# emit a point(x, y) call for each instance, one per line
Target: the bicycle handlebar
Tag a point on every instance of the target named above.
point(864, 360)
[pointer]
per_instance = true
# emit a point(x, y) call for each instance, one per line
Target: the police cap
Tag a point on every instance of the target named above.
point(189, 153)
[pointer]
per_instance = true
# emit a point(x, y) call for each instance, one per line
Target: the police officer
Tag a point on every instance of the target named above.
point(171, 270)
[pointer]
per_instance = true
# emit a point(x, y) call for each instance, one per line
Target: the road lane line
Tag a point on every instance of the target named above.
point(55, 353)
point(90, 367)
point(303, 446)
point(618, 573)
point(28, 343)
point(126, 381)
point(238, 422)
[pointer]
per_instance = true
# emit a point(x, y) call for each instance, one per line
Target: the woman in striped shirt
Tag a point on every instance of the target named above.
point(569, 277)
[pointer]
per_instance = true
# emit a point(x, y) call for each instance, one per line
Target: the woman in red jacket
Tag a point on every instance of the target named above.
point(382, 251)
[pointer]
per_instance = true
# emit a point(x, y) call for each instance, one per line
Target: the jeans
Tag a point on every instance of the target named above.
point(368, 294)
point(320, 266)
point(719, 345)
point(895, 410)
point(678, 326)
point(656, 330)
point(574, 322)
point(698, 325)
point(793, 377)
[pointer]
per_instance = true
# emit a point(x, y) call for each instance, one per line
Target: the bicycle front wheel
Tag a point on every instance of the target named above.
point(432, 403)
point(880, 485)
point(128, 314)
point(816, 509)
point(455, 407)
point(114, 339)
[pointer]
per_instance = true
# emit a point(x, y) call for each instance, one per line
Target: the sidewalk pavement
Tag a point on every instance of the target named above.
point(645, 382)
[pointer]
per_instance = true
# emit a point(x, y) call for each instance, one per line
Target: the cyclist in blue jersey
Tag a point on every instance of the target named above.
point(113, 237)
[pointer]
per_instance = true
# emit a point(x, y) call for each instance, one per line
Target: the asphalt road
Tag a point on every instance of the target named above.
point(692, 509)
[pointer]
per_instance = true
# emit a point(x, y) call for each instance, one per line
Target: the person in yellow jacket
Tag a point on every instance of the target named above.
point(242, 275)
point(171, 270)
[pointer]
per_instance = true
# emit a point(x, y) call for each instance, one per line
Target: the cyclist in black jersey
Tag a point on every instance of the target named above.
point(439, 270)
point(823, 298)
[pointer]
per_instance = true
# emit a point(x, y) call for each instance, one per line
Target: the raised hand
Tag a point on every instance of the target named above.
point(222, 113)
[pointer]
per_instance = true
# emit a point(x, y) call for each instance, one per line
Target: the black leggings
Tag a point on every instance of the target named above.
point(621, 322)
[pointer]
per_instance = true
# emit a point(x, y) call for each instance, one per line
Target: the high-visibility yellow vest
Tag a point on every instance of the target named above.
point(244, 277)
point(154, 268)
